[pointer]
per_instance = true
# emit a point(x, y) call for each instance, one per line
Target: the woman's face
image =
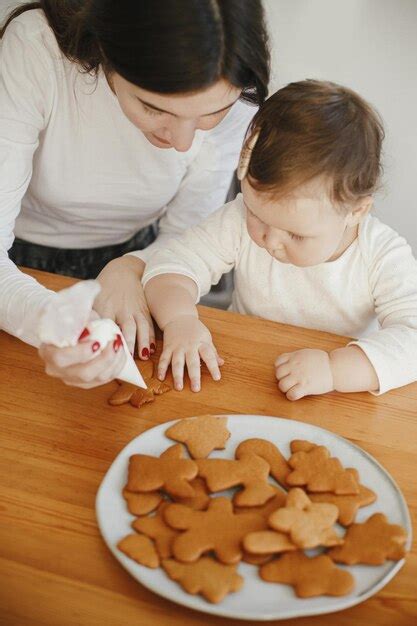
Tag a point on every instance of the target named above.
point(170, 121)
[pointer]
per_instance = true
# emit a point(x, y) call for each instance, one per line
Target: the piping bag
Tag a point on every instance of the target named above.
point(67, 314)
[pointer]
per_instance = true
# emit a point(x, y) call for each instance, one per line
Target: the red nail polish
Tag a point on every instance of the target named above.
point(145, 353)
point(153, 347)
point(117, 343)
point(95, 346)
point(84, 334)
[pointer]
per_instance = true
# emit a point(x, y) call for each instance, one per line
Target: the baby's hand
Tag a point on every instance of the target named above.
point(304, 372)
point(186, 341)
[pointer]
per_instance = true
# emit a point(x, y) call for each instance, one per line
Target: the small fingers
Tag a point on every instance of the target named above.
point(286, 383)
point(209, 355)
point(296, 392)
point(281, 359)
point(192, 359)
point(164, 361)
point(177, 365)
point(220, 360)
point(282, 370)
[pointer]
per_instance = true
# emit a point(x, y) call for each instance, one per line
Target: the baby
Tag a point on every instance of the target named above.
point(305, 251)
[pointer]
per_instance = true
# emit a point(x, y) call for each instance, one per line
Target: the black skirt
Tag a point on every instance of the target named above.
point(79, 263)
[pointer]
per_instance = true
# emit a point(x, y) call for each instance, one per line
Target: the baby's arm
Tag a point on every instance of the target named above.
point(313, 372)
point(378, 362)
point(171, 299)
point(174, 279)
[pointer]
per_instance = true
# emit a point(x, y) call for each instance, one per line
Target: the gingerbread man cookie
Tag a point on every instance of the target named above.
point(309, 525)
point(218, 529)
point(136, 396)
point(171, 472)
point(157, 529)
point(310, 577)
point(371, 543)
point(201, 434)
point(317, 471)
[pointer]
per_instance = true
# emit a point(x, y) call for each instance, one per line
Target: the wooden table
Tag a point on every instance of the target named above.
point(57, 443)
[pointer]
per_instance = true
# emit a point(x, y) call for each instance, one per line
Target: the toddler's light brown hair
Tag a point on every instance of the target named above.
point(315, 128)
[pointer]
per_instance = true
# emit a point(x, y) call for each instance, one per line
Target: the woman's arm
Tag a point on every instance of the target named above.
point(26, 93)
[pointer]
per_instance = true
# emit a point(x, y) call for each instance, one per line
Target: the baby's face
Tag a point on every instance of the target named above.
point(302, 228)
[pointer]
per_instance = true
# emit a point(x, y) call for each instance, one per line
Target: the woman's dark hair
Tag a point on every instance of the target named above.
point(165, 46)
point(316, 128)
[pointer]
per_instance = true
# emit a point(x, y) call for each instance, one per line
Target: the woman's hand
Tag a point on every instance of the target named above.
point(77, 365)
point(303, 373)
point(122, 300)
point(186, 341)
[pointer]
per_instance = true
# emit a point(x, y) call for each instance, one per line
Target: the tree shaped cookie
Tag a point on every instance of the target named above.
point(201, 434)
point(171, 472)
point(206, 576)
point(317, 471)
point(278, 464)
point(218, 529)
point(310, 577)
point(157, 529)
point(348, 504)
point(251, 472)
point(141, 549)
point(136, 396)
point(308, 525)
point(371, 543)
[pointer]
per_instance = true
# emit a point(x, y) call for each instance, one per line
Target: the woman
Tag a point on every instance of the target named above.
point(114, 115)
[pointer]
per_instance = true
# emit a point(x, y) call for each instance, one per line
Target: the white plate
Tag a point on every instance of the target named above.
point(256, 600)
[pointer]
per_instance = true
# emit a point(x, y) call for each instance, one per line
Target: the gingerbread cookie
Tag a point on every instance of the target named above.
point(200, 500)
point(256, 559)
point(310, 577)
point(266, 509)
point(371, 543)
point(137, 396)
point(317, 471)
point(348, 504)
point(218, 529)
point(157, 529)
point(171, 472)
point(206, 576)
point(278, 465)
point(201, 434)
point(267, 542)
point(301, 445)
point(251, 472)
point(141, 549)
point(142, 503)
point(308, 525)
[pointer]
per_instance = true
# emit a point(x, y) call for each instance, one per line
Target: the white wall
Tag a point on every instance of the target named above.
point(370, 46)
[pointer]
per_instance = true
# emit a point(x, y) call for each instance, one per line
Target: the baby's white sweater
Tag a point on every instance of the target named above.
point(369, 292)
